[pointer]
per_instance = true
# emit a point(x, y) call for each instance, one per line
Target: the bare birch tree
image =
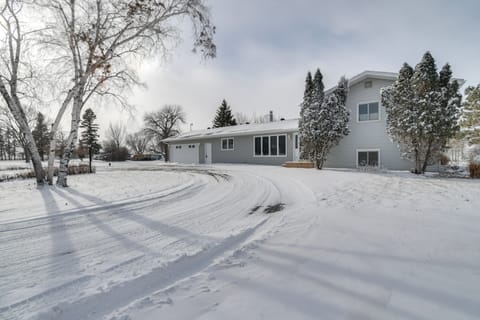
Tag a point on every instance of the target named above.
point(8, 122)
point(15, 74)
point(96, 42)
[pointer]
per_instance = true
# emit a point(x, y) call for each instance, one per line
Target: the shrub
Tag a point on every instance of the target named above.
point(120, 154)
point(73, 169)
point(444, 159)
point(474, 169)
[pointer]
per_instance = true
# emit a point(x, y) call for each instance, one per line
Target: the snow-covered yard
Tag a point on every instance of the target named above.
point(156, 241)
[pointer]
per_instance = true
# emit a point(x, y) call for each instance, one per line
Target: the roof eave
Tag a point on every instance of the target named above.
point(224, 135)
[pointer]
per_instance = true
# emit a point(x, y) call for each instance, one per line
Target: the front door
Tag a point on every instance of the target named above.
point(296, 147)
point(208, 153)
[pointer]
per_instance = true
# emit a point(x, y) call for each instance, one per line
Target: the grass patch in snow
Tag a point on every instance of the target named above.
point(274, 208)
point(254, 209)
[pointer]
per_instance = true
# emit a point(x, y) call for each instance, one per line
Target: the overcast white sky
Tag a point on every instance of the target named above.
point(265, 49)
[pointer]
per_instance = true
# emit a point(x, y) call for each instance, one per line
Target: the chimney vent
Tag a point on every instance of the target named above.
point(271, 116)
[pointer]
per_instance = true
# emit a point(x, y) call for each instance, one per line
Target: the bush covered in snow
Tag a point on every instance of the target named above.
point(475, 169)
point(73, 169)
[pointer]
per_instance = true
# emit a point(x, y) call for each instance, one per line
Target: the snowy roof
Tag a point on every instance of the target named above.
point(382, 75)
point(283, 126)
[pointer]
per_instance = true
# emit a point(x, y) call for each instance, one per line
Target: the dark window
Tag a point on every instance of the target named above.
point(373, 158)
point(282, 145)
point(368, 111)
point(362, 158)
point(373, 111)
point(363, 112)
point(265, 146)
point(296, 141)
point(273, 145)
point(368, 158)
point(258, 146)
point(227, 144)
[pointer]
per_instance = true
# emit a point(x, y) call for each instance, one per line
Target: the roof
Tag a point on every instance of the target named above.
point(283, 126)
point(382, 75)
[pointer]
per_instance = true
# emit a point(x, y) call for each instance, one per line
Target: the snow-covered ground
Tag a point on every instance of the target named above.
point(154, 241)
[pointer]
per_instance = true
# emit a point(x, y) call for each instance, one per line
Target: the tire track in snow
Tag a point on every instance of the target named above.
point(156, 222)
point(123, 294)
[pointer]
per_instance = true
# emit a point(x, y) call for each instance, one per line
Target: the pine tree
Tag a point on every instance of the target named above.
point(323, 120)
point(224, 117)
point(305, 121)
point(89, 135)
point(471, 115)
point(41, 135)
point(422, 111)
point(2, 145)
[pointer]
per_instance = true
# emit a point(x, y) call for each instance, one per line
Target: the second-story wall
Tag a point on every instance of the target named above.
point(366, 135)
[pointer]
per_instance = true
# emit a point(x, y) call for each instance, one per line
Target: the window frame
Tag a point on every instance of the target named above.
point(278, 155)
point(357, 151)
point(227, 139)
point(368, 104)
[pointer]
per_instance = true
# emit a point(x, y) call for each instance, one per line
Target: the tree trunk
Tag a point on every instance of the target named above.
point(427, 157)
point(53, 137)
point(72, 138)
point(90, 160)
point(14, 106)
point(418, 163)
point(165, 152)
point(27, 154)
point(51, 157)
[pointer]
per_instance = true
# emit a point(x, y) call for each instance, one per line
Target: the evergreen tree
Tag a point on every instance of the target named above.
point(224, 117)
point(89, 135)
point(471, 115)
point(41, 135)
point(2, 145)
point(323, 120)
point(305, 122)
point(422, 111)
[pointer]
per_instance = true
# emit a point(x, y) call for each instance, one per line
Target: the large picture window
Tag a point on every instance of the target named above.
point(227, 144)
point(368, 111)
point(270, 146)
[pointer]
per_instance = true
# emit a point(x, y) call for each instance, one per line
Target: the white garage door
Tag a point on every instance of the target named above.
point(184, 153)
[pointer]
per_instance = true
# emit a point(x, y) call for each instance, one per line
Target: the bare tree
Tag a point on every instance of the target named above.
point(8, 122)
point(14, 76)
point(138, 142)
point(116, 134)
point(163, 124)
point(97, 41)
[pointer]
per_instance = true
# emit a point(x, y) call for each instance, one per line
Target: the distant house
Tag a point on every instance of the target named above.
point(277, 142)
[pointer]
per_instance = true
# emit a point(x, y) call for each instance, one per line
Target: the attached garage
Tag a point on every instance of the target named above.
point(185, 153)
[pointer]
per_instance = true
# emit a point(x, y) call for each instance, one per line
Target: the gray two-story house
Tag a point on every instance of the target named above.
point(277, 142)
point(368, 142)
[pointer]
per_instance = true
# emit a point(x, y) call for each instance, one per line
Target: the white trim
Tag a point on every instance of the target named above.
point(367, 103)
point(227, 149)
point(208, 155)
point(295, 143)
point(367, 150)
point(278, 146)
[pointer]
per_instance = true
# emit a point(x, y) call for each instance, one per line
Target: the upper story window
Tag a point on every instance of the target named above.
point(368, 111)
point(227, 144)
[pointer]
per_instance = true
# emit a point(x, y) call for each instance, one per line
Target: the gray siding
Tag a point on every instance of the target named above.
point(243, 151)
point(366, 135)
